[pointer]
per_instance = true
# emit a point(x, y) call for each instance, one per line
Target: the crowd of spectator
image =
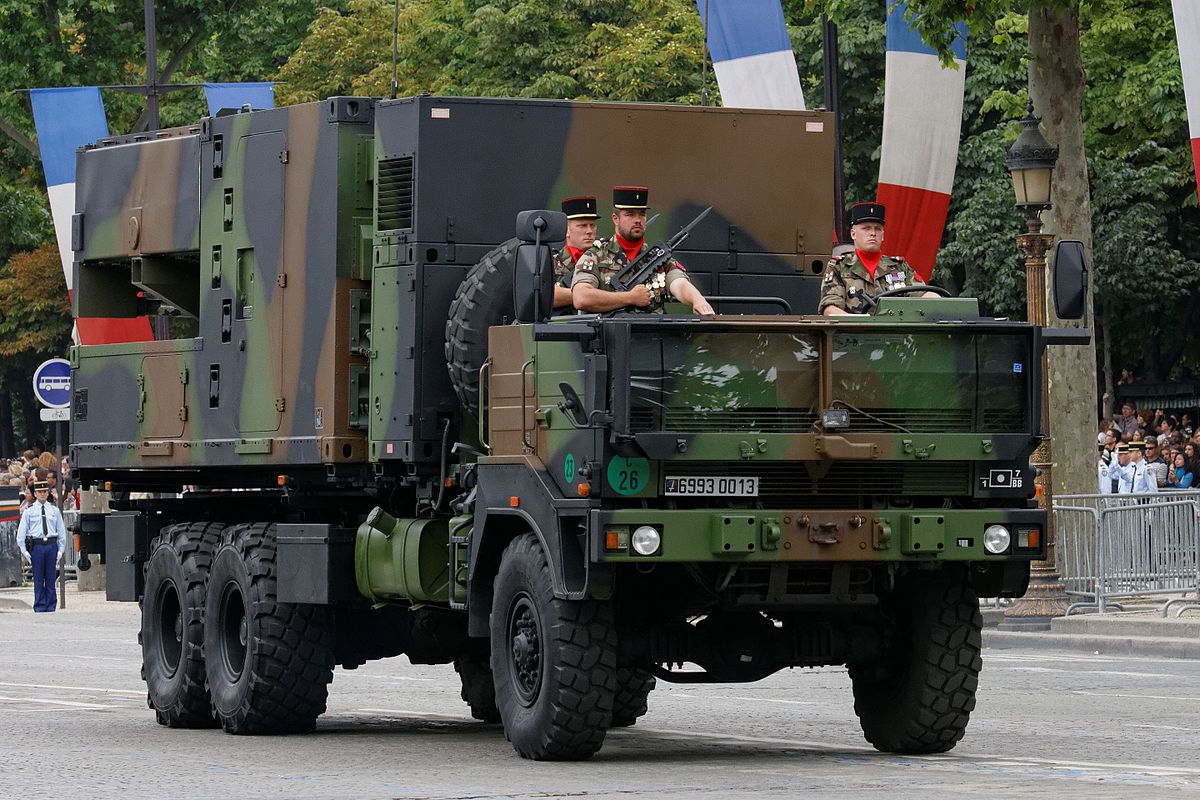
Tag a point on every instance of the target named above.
point(36, 465)
point(17, 476)
point(1164, 447)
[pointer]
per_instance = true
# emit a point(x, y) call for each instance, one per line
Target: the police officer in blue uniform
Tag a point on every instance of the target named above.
point(42, 537)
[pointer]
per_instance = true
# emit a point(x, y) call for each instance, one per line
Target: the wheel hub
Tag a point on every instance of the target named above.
point(235, 631)
point(170, 622)
point(525, 656)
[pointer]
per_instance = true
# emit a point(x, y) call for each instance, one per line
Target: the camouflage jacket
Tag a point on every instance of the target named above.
point(847, 273)
point(564, 268)
point(605, 259)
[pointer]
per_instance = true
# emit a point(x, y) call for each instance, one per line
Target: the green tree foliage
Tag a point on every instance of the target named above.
point(648, 50)
point(102, 43)
point(35, 324)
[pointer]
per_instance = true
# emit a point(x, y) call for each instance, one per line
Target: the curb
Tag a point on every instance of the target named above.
point(1161, 647)
point(13, 604)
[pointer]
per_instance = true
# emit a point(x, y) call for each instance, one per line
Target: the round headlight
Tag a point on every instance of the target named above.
point(645, 540)
point(996, 539)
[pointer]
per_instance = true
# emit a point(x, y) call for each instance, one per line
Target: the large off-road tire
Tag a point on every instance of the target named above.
point(268, 663)
point(554, 660)
point(484, 299)
point(172, 632)
point(919, 697)
point(478, 687)
point(633, 688)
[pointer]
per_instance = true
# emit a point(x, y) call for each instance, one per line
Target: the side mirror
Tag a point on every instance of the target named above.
point(1070, 280)
point(533, 273)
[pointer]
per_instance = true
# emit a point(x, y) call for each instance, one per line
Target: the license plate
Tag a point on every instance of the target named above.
point(711, 486)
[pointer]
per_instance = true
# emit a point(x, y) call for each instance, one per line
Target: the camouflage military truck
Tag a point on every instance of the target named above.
point(360, 434)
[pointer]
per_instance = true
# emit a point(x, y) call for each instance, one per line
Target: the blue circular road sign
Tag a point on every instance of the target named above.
point(52, 383)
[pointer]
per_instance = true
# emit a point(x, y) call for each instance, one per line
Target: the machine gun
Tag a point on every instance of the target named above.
point(645, 269)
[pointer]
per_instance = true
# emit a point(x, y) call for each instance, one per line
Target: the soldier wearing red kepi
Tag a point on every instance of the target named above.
point(581, 234)
point(591, 288)
point(865, 271)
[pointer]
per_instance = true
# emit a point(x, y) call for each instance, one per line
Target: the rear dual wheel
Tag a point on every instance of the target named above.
point(172, 632)
point(268, 663)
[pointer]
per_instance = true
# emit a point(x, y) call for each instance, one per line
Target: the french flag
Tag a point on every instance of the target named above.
point(67, 119)
point(922, 121)
point(751, 53)
point(1187, 33)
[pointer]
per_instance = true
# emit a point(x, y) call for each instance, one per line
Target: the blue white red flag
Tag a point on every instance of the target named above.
point(1187, 34)
point(751, 53)
point(922, 121)
point(236, 95)
point(66, 119)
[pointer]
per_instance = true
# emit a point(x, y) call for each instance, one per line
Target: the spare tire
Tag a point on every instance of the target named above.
point(484, 299)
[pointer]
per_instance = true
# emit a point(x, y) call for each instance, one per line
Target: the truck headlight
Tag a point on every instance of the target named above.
point(996, 539)
point(646, 540)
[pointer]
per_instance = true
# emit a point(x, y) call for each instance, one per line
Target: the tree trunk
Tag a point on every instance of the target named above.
point(33, 427)
point(1056, 84)
point(7, 445)
point(1110, 389)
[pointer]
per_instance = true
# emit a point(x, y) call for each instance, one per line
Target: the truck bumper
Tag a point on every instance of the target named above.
point(808, 535)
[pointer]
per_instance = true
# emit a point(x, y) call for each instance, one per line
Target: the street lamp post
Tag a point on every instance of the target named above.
point(1031, 161)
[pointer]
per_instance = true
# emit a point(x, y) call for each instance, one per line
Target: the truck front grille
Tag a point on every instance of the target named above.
point(844, 483)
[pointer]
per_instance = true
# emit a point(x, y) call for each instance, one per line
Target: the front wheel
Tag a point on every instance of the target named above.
point(918, 698)
point(554, 660)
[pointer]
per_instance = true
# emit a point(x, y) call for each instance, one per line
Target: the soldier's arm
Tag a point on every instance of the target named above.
point(913, 277)
point(593, 299)
point(833, 294)
point(681, 287)
point(686, 292)
point(564, 269)
point(587, 295)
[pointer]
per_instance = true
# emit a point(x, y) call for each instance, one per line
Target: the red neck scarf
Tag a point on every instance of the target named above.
point(869, 260)
point(574, 252)
point(631, 248)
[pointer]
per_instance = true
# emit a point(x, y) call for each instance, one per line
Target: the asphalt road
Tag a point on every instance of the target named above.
point(74, 724)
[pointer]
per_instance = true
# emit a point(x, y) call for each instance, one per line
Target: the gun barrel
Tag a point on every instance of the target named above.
point(686, 231)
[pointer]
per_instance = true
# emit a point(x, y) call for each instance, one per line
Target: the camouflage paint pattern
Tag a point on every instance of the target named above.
point(312, 253)
point(279, 206)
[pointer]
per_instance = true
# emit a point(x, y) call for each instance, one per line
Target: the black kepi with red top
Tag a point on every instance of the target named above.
point(580, 207)
point(631, 197)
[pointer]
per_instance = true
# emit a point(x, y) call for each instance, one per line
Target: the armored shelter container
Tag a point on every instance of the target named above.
point(308, 256)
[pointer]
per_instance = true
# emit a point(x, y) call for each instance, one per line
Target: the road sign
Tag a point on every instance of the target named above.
point(56, 414)
point(52, 383)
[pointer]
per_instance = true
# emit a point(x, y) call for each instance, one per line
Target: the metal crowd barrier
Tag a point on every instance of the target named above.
point(1128, 546)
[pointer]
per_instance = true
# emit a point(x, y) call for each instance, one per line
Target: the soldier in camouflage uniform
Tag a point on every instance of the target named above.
point(581, 234)
point(591, 288)
point(865, 270)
